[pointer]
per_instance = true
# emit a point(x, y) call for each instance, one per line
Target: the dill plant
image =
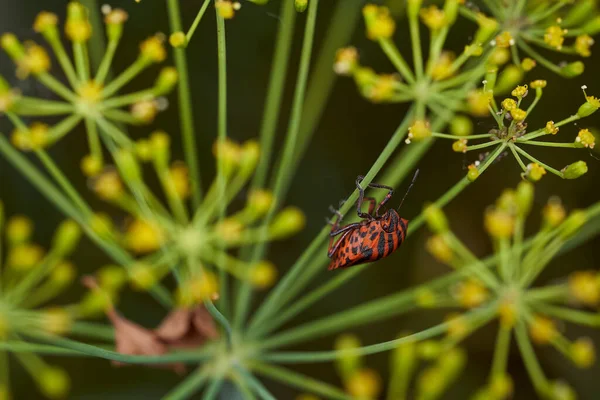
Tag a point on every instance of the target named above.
point(192, 235)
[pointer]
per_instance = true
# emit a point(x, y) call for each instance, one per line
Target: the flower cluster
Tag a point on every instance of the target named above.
point(30, 278)
point(504, 289)
point(94, 99)
point(565, 27)
point(512, 133)
point(172, 240)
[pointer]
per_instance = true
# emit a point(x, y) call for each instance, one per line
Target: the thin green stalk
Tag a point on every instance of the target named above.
point(531, 362)
point(81, 62)
point(530, 157)
point(64, 61)
point(415, 37)
point(501, 352)
point(283, 47)
point(321, 356)
point(220, 318)
point(511, 146)
point(190, 386)
point(221, 137)
point(92, 330)
point(125, 77)
point(96, 42)
point(62, 128)
point(94, 139)
point(41, 349)
point(127, 99)
point(390, 49)
point(568, 314)
point(113, 131)
point(299, 381)
point(255, 384)
point(483, 145)
point(53, 84)
point(188, 357)
point(213, 389)
point(549, 144)
point(537, 56)
point(104, 68)
point(197, 20)
point(185, 108)
point(287, 158)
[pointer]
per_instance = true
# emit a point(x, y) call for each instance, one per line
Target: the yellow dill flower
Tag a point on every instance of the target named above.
point(346, 60)
point(471, 293)
point(227, 8)
point(509, 104)
point(230, 229)
point(535, 172)
point(44, 21)
point(379, 22)
point(499, 56)
point(519, 91)
point(259, 202)
point(508, 313)
point(554, 213)
point(108, 185)
point(179, 174)
point(585, 138)
point(289, 221)
point(91, 165)
point(152, 49)
point(441, 69)
point(583, 352)
point(24, 256)
point(538, 84)
point(35, 61)
point(90, 92)
point(499, 224)
point(555, 36)
point(457, 325)
point(142, 276)
point(77, 26)
point(460, 146)
point(478, 102)
point(56, 320)
point(143, 236)
point(585, 287)
point(518, 114)
point(528, 64)
point(504, 40)
point(263, 274)
point(551, 128)
point(419, 130)
point(18, 229)
point(382, 88)
point(583, 44)
point(365, 383)
point(438, 247)
point(433, 17)
point(145, 110)
point(425, 298)
point(542, 330)
point(177, 39)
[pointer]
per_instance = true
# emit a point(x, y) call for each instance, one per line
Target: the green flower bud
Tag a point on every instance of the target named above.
point(404, 361)
point(508, 79)
point(590, 106)
point(414, 6)
point(452, 361)
point(66, 238)
point(451, 10)
point(289, 221)
point(46, 24)
point(524, 195)
point(54, 382)
point(301, 5)
point(12, 46)
point(461, 125)
point(572, 70)
point(347, 364)
point(559, 390)
point(592, 27)
point(161, 148)
point(166, 80)
point(178, 39)
point(487, 28)
point(114, 23)
point(436, 219)
point(575, 170)
point(573, 223)
point(249, 157)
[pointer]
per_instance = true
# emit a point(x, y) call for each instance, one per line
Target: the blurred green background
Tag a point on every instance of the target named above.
point(348, 139)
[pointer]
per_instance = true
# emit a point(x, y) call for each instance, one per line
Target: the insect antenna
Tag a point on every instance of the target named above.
point(409, 187)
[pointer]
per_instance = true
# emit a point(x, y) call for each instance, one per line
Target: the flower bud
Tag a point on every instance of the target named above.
point(259, 202)
point(429, 349)
point(589, 107)
point(91, 165)
point(573, 223)
point(559, 390)
point(413, 8)
point(542, 330)
point(346, 60)
point(478, 102)
point(583, 352)
point(524, 197)
point(379, 22)
point(436, 219)
point(534, 172)
point(18, 230)
point(54, 382)
point(161, 145)
point(509, 77)
point(487, 27)
point(101, 225)
point(538, 84)
point(23, 257)
point(528, 64)
point(56, 321)
point(228, 153)
point(178, 39)
point(142, 277)
point(263, 275)
point(143, 150)
point(438, 247)
point(114, 21)
point(575, 170)
point(227, 8)
point(501, 386)
point(425, 298)
point(46, 24)
point(460, 146)
point(347, 363)
point(63, 273)
point(301, 5)
point(66, 238)
point(461, 125)
point(554, 213)
point(143, 237)
point(434, 18)
point(573, 69)
point(152, 50)
point(364, 384)
point(145, 110)
point(77, 27)
point(250, 154)
point(473, 172)
point(471, 293)
point(111, 277)
point(419, 130)
point(499, 224)
point(584, 287)
point(12, 46)
point(585, 138)
point(289, 221)
point(166, 81)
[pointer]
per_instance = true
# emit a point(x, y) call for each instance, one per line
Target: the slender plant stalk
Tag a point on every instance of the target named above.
point(191, 385)
point(185, 108)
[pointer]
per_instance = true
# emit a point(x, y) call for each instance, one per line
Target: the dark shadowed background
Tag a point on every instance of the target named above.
point(349, 137)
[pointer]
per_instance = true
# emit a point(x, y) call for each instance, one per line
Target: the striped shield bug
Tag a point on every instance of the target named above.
point(374, 237)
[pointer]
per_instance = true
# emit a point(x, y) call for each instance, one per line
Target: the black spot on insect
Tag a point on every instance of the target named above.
point(381, 245)
point(373, 235)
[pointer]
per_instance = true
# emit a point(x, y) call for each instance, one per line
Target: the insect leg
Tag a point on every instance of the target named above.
point(361, 198)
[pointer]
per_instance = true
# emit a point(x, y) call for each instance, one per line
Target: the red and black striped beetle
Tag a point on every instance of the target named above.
point(375, 237)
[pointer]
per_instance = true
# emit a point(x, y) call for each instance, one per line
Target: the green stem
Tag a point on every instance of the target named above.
point(104, 68)
point(531, 363)
point(197, 20)
point(255, 384)
point(81, 62)
point(549, 144)
point(527, 155)
point(221, 137)
point(185, 108)
point(220, 319)
point(544, 61)
point(286, 160)
point(278, 74)
point(190, 386)
point(64, 60)
point(484, 145)
point(568, 314)
point(299, 381)
point(321, 356)
point(501, 352)
point(93, 330)
point(415, 37)
point(390, 49)
point(125, 77)
point(213, 389)
point(51, 83)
